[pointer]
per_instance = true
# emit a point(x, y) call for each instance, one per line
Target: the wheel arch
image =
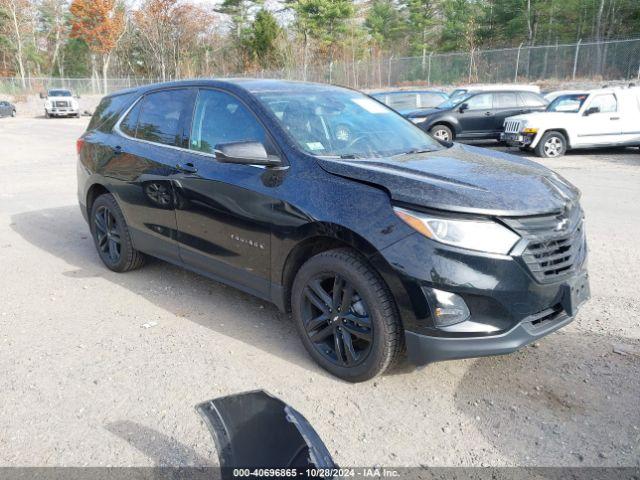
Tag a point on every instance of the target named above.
point(93, 192)
point(542, 132)
point(447, 123)
point(320, 237)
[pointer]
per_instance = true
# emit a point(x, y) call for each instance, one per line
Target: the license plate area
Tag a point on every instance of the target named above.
point(576, 292)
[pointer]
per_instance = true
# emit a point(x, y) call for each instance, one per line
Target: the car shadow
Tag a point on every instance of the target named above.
point(63, 233)
point(549, 403)
point(163, 450)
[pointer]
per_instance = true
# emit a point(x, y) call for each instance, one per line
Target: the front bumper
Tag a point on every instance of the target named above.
point(62, 112)
point(517, 139)
point(508, 307)
point(423, 349)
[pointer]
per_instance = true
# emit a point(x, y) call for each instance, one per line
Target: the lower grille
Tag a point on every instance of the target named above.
point(556, 244)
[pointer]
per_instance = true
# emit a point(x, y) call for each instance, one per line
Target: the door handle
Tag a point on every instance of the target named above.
point(487, 114)
point(117, 150)
point(187, 167)
point(614, 118)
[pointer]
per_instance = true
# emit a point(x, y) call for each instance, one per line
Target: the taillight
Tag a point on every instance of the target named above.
point(79, 145)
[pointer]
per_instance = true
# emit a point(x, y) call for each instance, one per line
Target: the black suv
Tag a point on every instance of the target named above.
point(384, 240)
point(476, 115)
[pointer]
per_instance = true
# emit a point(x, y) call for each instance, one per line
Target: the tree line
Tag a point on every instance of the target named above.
point(182, 38)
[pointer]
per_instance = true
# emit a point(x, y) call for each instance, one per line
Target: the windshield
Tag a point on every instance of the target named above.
point(345, 124)
point(456, 98)
point(59, 93)
point(568, 103)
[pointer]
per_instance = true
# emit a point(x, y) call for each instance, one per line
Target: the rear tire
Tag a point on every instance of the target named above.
point(111, 236)
point(441, 132)
point(551, 145)
point(351, 328)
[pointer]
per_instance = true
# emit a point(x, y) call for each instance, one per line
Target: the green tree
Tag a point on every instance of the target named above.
point(384, 24)
point(264, 34)
point(324, 21)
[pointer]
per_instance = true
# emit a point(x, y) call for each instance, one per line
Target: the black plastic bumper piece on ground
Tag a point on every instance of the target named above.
point(423, 349)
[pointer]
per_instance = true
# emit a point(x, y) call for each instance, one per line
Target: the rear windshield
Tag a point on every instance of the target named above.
point(108, 112)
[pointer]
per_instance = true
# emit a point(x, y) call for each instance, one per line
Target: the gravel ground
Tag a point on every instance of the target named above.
point(85, 383)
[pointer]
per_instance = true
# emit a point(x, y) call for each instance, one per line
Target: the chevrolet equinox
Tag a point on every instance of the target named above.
point(382, 242)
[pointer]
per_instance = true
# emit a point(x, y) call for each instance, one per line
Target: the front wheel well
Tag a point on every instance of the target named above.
point(444, 123)
point(558, 130)
point(300, 254)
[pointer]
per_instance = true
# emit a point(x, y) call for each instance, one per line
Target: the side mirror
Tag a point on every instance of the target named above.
point(463, 107)
point(43, 95)
point(591, 111)
point(245, 153)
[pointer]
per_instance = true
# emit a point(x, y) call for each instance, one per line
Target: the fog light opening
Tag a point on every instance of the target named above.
point(448, 308)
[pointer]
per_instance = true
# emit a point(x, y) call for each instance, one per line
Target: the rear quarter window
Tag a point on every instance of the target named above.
point(108, 111)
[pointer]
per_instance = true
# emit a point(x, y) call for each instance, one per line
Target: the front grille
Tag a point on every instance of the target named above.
point(61, 103)
point(555, 244)
point(512, 126)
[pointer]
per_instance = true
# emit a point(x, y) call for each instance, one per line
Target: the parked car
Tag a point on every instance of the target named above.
point(478, 115)
point(61, 103)
point(608, 117)
point(408, 101)
point(7, 109)
point(387, 240)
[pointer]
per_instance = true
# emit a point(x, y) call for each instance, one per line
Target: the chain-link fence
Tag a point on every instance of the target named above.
point(611, 60)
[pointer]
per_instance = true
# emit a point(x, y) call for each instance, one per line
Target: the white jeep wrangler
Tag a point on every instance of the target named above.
point(60, 103)
point(606, 117)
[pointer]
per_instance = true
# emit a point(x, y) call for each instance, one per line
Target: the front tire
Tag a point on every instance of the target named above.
point(551, 145)
point(13, 113)
point(441, 132)
point(346, 316)
point(111, 236)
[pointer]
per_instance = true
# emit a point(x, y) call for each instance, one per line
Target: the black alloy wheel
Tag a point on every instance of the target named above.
point(111, 235)
point(336, 320)
point(346, 316)
point(107, 235)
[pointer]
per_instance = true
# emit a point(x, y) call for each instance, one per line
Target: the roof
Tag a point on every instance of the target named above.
point(251, 85)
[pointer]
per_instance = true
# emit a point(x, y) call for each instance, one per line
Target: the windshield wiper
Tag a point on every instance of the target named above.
point(414, 151)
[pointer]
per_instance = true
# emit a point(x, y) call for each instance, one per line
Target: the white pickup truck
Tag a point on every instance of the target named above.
point(606, 117)
point(60, 103)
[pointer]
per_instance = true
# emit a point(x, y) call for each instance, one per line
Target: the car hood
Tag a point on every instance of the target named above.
point(61, 98)
point(540, 117)
point(463, 178)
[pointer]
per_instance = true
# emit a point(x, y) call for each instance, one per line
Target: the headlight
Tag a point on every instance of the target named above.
point(480, 235)
point(418, 119)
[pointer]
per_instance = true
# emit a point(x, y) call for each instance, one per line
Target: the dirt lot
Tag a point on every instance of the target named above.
point(85, 383)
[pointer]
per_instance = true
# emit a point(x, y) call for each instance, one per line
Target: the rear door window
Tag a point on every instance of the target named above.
point(505, 100)
point(162, 115)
